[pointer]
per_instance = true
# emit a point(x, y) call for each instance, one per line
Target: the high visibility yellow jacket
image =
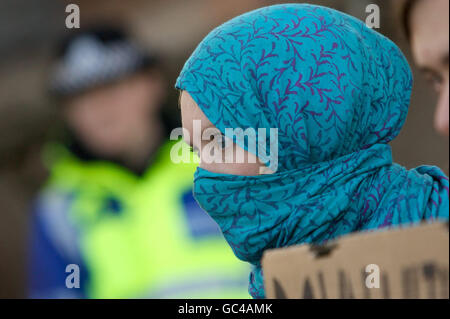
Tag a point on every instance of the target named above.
point(131, 236)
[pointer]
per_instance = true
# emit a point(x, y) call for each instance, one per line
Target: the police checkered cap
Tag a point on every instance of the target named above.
point(89, 62)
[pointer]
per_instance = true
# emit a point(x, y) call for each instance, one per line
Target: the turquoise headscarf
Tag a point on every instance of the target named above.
point(338, 92)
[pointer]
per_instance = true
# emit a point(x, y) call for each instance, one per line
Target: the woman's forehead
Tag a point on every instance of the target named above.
point(187, 102)
point(191, 111)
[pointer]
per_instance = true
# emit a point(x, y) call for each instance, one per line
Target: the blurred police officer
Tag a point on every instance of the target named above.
point(116, 210)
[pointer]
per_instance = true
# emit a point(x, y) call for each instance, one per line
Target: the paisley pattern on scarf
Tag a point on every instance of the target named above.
point(338, 93)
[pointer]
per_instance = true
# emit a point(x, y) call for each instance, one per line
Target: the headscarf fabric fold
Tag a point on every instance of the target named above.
point(338, 93)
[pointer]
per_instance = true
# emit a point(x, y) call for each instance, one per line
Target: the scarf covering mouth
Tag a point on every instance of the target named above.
point(338, 93)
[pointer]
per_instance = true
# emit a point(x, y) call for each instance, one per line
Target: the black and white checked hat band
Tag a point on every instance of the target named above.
point(89, 63)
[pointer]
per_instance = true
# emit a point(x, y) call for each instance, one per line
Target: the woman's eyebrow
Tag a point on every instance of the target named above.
point(179, 100)
point(188, 142)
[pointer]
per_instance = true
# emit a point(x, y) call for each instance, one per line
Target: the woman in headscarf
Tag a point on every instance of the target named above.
point(337, 92)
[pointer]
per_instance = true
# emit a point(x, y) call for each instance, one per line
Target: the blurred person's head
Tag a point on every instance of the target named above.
point(110, 94)
point(427, 27)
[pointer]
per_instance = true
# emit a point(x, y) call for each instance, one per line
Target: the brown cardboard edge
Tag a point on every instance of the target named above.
point(357, 236)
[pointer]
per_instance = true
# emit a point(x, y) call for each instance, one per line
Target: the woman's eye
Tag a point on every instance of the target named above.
point(194, 150)
point(221, 141)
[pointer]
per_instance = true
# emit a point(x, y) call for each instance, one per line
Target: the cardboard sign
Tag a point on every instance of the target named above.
point(402, 263)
